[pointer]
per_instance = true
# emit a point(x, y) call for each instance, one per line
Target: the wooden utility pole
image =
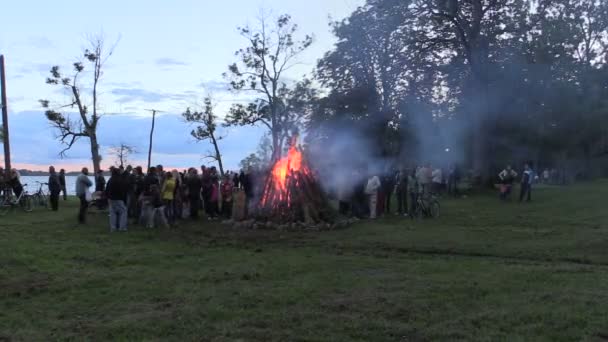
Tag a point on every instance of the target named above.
point(7, 146)
point(154, 111)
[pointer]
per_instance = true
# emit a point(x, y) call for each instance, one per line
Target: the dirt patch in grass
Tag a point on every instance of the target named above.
point(26, 286)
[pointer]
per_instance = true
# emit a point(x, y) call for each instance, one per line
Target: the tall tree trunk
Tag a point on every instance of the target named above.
point(218, 156)
point(95, 154)
point(276, 147)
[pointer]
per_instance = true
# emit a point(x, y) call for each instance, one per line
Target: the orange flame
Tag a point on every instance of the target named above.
point(277, 188)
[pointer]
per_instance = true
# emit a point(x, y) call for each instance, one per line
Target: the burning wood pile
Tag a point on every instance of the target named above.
point(292, 196)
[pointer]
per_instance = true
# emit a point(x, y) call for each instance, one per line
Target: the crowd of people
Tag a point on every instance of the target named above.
point(165, 197)
point(372, 194)
point(508, 177)
point(161, 197)
point(11, 181)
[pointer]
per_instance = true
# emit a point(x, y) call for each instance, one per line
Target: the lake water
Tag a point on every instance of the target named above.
point(70, 183)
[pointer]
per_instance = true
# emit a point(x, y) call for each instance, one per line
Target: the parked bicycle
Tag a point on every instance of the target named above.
point(10, 202)
point(427, 206)
point(40, 197)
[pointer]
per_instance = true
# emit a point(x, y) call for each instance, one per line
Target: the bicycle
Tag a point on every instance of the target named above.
point(427, 205)
point(8, 203)
point(40, 198)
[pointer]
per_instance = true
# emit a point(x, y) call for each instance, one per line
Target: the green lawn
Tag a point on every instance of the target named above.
point(484, 271)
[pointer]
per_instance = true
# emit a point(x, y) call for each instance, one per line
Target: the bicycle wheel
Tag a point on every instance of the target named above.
point(26, 203)
point(434, 208)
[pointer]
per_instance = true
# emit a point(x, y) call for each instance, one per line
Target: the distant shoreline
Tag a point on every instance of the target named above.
point(45, 173)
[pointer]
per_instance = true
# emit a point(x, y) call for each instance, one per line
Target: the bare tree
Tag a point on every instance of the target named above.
point(122, 153)
point(85, 125)
point(206, 129)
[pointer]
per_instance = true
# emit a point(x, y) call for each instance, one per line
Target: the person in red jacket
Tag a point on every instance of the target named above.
point(226, 191)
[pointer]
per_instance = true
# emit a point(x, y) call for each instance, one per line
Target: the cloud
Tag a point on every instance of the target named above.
point(167, 61)
point(136, 94)
point(215, 86)
point(38, 68)
point(172, 146)
point(40, 42)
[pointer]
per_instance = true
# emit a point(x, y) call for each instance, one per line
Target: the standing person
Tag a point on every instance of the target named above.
point(423, 176)
point(157, 208)
point(117, 192)
point(453, 180)
point(401, 192)
point(242, 179)
point(160, 174)
point(226, 191)
point(100, 190)
point(150, 179)
point(100, 182)
point(388, 184)
point(413, 188)
point(371, 190)
point(248, 188)
point(83, 183)
point(2, 184)
point(177, 195)
point(54, 188)
point(194, 186)
point(168, 196)
point(129, 180)
point(214, 198)
point(437, 179)
point(526, 183)
point(235, 180)
point(139, 189)
point(507, 177)
point(546, 176)
point(14, 182)
point(62, 184)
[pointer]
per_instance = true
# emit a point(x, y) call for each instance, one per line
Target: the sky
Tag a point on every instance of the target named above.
point(168, 56)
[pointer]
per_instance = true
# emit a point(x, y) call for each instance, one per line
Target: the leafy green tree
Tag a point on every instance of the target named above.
point(252, 161)
point(206, 129)
point(271, 50)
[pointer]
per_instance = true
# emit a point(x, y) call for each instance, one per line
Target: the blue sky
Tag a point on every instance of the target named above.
point(170, 54)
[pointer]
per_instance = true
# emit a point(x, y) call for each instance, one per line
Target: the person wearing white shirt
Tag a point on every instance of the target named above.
point(371, 190)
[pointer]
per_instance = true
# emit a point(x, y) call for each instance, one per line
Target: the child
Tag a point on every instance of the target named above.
point(157, 208)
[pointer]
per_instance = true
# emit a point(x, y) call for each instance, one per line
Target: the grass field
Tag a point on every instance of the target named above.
point(484, 271)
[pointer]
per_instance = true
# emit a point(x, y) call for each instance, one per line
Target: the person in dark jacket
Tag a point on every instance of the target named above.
point(248, 188)
point(151, 179)
point(116, 192)
point(62, 183)
point(401, 191)
point(194, 186)
point(148, 181)
point(388, 185)
point(54, 188)
point(129, 178)
point(138, 179)
point(236, 180)
point(526, 184)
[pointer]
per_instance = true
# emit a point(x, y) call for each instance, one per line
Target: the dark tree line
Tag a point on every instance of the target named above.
point(506, 79)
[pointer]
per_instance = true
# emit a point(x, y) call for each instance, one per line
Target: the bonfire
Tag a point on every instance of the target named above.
point(291, 192)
